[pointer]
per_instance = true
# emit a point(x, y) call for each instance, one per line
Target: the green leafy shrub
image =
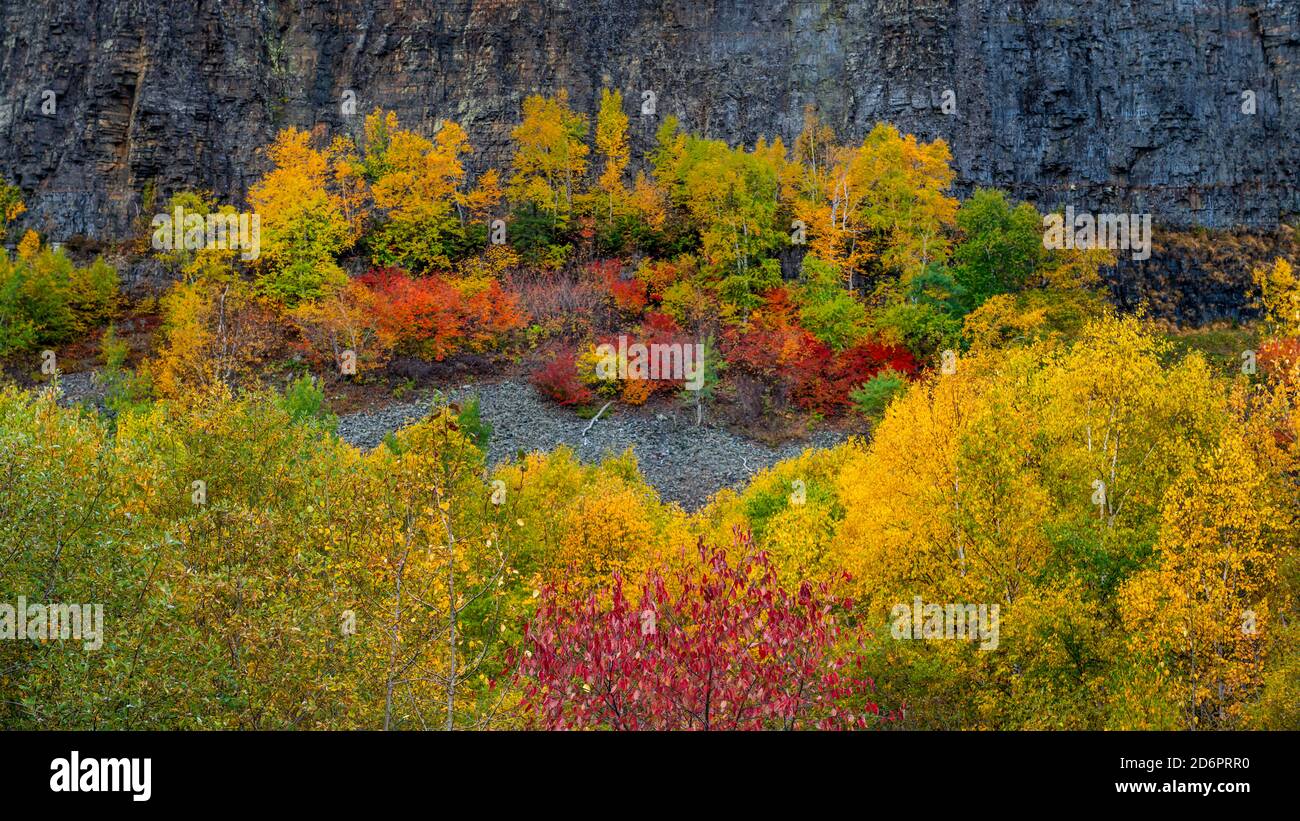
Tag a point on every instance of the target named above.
point(45, 299)
point(472, 423)
point(1001, 249)
point(126, 390)
point(872, 397)
point(304, 402)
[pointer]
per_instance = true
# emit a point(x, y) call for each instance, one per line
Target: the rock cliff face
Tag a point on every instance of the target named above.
point(1116, 105)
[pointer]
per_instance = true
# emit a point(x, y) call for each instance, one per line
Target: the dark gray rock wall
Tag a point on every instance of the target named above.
point(1125, 105)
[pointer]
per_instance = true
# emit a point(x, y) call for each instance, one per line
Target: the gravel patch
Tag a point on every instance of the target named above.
point(81, 388)
point(685, 463)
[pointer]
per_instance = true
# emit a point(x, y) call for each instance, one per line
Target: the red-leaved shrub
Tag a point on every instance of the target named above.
point(722, 647)
point(824, 379)
point(558, 380)
point(1279, 361)
point(564, 303)
point(629, 295)
point(774, 350)
point(436, 317)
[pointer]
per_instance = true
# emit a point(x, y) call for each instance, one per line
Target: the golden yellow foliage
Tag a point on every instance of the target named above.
point(1280, 296)
point(211, 335)
point(29, 245)
point(304, 223)
point(550, 157)
point(902, 496)
point(1200, 614)
point(611, 144)
point(345, 321)
point(605, 531)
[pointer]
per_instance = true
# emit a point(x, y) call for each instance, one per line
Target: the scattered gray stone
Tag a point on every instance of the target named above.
point(685, 463)
point(81, 388)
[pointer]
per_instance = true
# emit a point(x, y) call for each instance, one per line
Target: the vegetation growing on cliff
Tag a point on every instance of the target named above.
point(1125, 510)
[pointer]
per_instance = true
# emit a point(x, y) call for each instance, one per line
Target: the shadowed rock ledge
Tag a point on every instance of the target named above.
point(1106, 105)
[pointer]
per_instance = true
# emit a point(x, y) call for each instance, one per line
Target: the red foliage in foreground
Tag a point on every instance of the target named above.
point(729, 650)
